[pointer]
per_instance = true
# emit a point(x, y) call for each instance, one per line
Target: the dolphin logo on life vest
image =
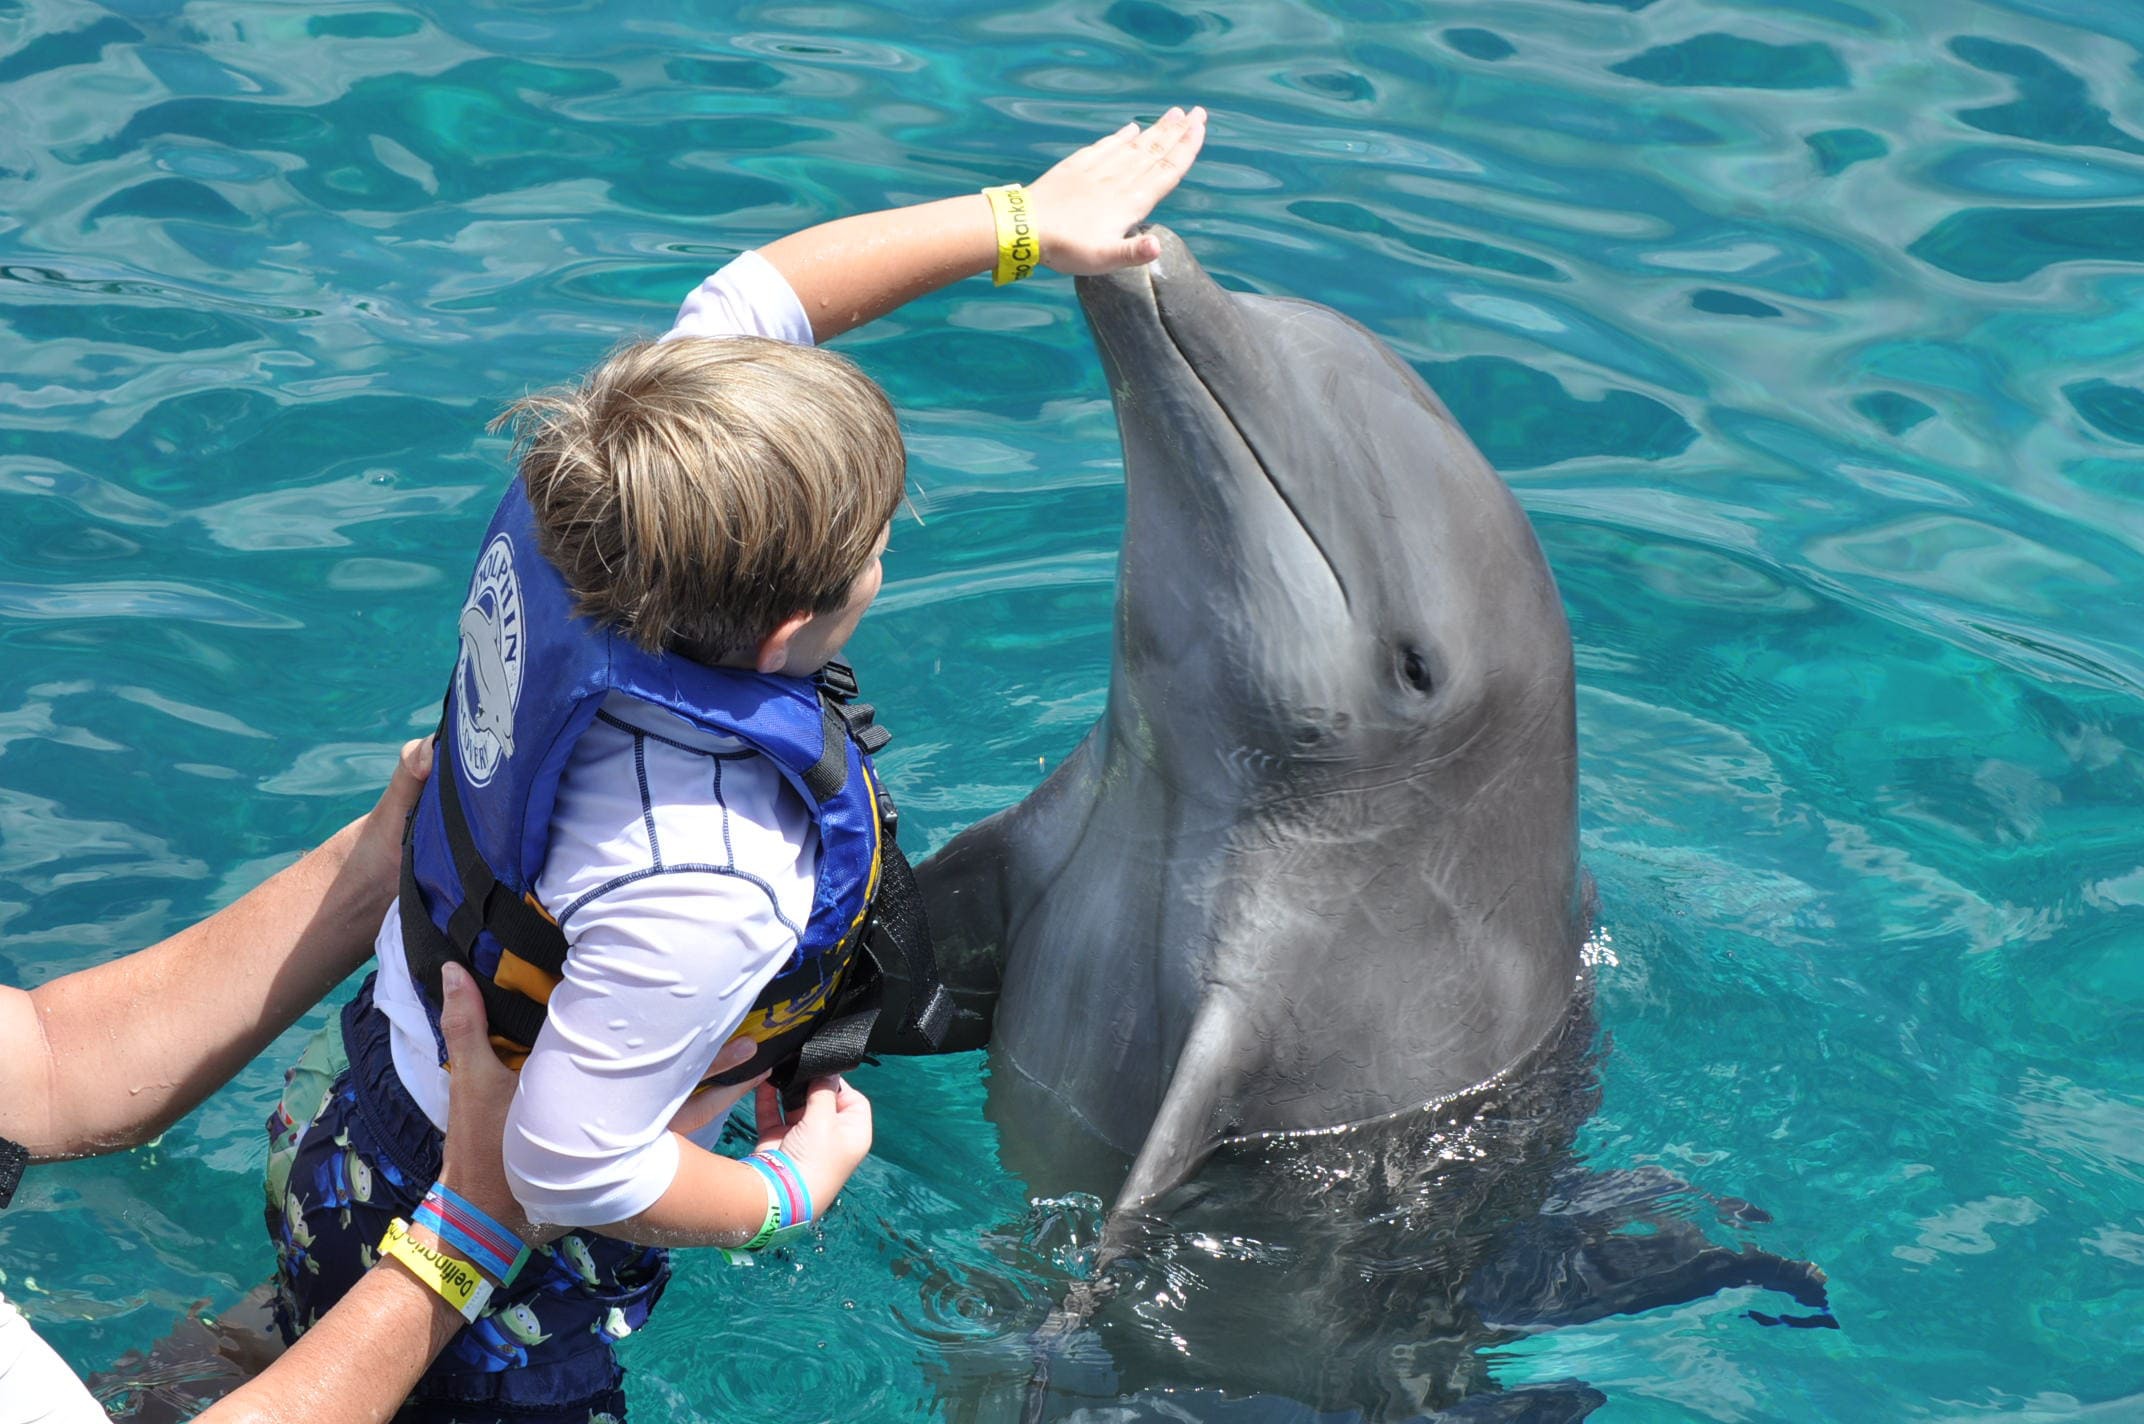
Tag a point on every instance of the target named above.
point(488, 674)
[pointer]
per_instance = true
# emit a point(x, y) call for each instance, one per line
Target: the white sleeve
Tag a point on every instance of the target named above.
point(662, 971)
point(680, 866)
point(748, 297)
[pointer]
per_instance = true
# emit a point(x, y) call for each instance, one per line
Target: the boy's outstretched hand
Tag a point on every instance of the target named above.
point(1087, 205)
point(828, 1139)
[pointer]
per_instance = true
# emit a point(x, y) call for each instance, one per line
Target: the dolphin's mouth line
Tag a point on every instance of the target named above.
point(1161, 309)
point(1161, 316)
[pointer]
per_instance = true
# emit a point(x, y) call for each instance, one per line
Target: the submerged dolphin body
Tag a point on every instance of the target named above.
point(1310, 889)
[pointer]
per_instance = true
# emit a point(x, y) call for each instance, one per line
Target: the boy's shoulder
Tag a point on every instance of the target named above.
point(627, 716)
point(651, 802)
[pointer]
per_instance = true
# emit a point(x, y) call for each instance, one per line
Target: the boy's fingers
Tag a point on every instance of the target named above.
point(1136, 251)
point(822, 1095)
point(736, 1051)
point(1165, 130)
point(1183, 146)
point(767, 1113)
point(1118, 139)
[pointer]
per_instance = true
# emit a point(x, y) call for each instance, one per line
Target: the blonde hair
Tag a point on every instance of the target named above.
point(696, 493)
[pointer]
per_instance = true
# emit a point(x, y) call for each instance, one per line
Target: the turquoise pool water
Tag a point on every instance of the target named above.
point(1811, 333)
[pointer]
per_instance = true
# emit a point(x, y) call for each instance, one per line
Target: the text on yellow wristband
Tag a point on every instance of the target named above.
point(1019, 245)
point(457, 1282)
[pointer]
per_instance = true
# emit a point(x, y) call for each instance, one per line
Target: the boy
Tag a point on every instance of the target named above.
point(653, 833)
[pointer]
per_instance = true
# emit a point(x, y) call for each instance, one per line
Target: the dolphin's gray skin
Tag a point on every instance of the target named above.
point(1318, 863)
point(1310, 890)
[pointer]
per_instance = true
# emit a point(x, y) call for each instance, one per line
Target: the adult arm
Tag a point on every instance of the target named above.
point(855, 269)
point(359, 1361)
point(108, 1057)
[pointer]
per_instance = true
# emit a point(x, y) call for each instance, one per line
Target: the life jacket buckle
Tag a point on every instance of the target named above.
point(838, 680)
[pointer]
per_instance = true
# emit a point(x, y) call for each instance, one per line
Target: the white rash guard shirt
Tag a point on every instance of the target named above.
point(681, 869)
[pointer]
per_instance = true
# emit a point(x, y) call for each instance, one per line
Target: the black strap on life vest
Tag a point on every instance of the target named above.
point(487, 904)
point(13, 1158)
point(859, 1021)
point(854, 1025)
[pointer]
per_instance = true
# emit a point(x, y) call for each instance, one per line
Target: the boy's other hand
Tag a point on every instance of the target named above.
point(828, 1139)
point(712, 1104)
point(1087, 205)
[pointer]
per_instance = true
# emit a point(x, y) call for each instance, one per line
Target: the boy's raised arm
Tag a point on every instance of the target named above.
point(856, 269)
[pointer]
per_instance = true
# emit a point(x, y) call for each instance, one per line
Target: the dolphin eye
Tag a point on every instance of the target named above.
point(1414, 670)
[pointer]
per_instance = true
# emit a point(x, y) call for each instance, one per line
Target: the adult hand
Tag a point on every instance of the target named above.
point(480, 1089)
point(376, 859)
point(1087, 205)
point(828, 1139)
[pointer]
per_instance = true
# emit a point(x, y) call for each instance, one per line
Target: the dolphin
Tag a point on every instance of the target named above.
point(485, 686)
point(1317, 863)
point(1310, 889)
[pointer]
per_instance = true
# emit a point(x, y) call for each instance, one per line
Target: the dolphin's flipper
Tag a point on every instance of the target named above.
point(1185, 1132)
point(1611, 1244)
point(1191, 1122)
point(969, 888)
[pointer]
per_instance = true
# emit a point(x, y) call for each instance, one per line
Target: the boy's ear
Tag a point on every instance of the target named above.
point(773, 655)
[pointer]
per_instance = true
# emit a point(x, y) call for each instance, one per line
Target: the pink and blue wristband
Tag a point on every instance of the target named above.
point(468, 1229)
point(787, 1195)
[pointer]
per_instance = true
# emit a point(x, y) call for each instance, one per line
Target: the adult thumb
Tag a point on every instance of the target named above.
point(461, 1016)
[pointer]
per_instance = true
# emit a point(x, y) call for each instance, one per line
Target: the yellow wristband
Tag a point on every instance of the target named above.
point(1019, 245)
point(459, 1284)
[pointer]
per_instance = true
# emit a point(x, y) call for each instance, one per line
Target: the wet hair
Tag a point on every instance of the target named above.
point(695, 493)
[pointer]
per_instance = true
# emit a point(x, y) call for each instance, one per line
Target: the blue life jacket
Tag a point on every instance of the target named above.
point(529, 680)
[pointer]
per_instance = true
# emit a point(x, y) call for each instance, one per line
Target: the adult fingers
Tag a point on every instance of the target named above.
point(407, 784)
point(463, 1023)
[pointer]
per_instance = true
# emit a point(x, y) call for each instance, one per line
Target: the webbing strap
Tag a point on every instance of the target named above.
point(836, 1046)
point(830, 773)
point(511, 1016)
point(486, 903)
point(901, 936)
point(865, 1019)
